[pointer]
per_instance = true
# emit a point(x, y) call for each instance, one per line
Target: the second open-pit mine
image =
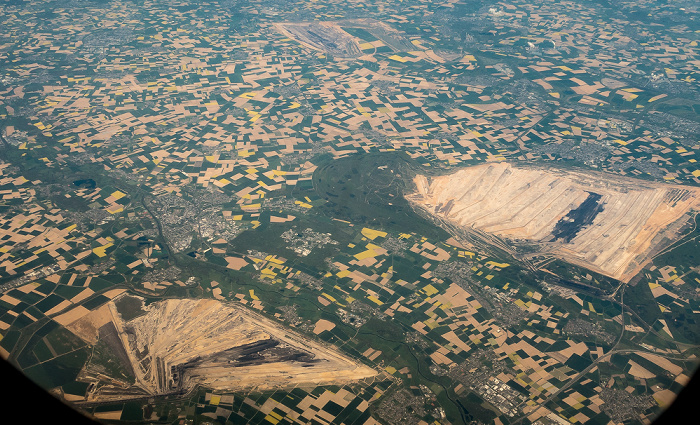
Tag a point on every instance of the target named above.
point(606, 223)
point(181, 343)
point(322, 36)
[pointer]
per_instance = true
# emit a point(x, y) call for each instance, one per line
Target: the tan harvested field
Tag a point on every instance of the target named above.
point(638, 371)
point(86, 324)
point(664, 397)
point(631, 216)
point(323, 325)
point(181, 343)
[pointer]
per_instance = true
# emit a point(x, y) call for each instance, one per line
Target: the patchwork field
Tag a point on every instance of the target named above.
point(605, 223)
point(181, 343)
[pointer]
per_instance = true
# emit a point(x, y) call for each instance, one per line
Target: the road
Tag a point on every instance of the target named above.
point(595, 363)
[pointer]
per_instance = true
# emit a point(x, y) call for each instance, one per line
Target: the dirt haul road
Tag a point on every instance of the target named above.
point(606, 223)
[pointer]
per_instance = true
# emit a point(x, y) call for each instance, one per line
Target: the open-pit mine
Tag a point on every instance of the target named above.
point(178, 344)
point(606, 223)
point(322, 36)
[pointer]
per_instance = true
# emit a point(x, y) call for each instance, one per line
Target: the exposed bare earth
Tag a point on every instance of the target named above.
point(621, 219)
point(181, 343)
point(322, 36)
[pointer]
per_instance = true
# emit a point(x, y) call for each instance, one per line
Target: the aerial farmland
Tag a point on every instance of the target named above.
point(357, 212)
